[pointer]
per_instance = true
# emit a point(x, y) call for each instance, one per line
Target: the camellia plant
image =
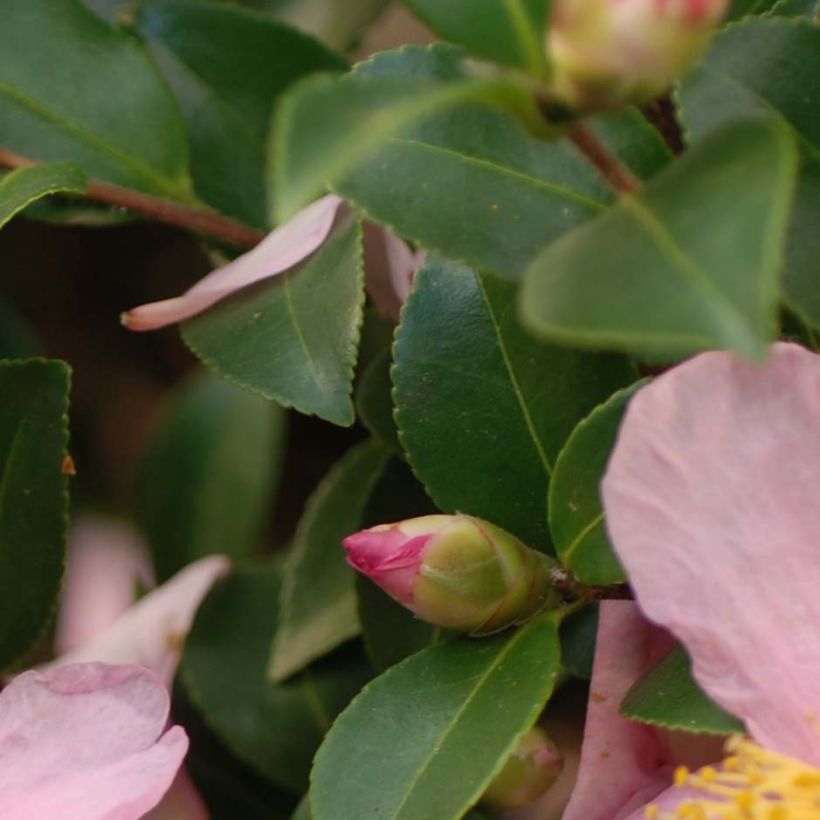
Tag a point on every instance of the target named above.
point(482, 484)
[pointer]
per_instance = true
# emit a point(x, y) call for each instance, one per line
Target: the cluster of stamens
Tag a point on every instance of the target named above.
point(752, 783)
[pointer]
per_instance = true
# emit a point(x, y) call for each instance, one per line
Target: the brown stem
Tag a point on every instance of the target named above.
point(664, 116)
point(200, 220)
point(566, 583)
point(610, 167)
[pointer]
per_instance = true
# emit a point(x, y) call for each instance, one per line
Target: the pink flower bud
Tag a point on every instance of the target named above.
point(455, 571)
point(529, 771)
point(608, 53)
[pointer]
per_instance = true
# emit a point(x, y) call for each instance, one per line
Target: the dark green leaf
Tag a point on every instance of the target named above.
point(318, 602)
point(483, 409)
point(73, 88)
point(425, 738)
point(467, 181)
point(797, 8)
point(22, 187)
point(303, 811)
point(274, 728)
point(576, 515)
point(207, 478)
point(33, 499)
point(226, 67)
point(668, 696)
point(374, 401)
point(636, 142)
point(578, 635)
point(744, 8)
point(328, 127)
point(706, 288)
point(390, 631)
point(293, 338)
point(771, 66)
point(507, 31)
point(17, 339)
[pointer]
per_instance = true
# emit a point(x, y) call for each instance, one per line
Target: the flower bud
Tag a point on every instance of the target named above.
point(530, 770)
point(607, 53)
point(455, 571)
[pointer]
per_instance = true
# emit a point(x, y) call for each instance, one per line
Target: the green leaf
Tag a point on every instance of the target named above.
point(771, 66)
point(274, 728)
point(110, 112)
point(507, 31)
point(336, 24)
point(578, 636)
point(217, 452)
point(483, 409)
point(22, 187)
point(576, 515)
point(637, 143)
point(390, 631)
point(325, 129)
point(668, 696)
point(33, 499)
point(467, 181)
point(226, 67)
point(797, 8)
point(425, 738)
point(303, 811)
point(745, 8)
point(293, 338)
point(374, 402)
point(318, 602)
point(706, 288)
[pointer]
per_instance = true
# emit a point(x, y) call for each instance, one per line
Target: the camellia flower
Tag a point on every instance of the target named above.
point(388, 274)
point(609, 53)
point(86, 742)
point(710, 498)
point(455, 571)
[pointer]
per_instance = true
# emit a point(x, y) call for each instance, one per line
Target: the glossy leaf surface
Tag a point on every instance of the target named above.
point(706, 288)
point(227, 66)
point(33, 499)
point(318, 602)
point(293, 338)
point(576, 515)
point(274, 728)
point(425, 738)
point(22, 187)
point(479, 400)
point(110, 112)
point(668, 696)
point(770, 66)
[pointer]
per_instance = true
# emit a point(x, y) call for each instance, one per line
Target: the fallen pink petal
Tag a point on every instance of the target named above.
point(283, 248)
point(86, 742)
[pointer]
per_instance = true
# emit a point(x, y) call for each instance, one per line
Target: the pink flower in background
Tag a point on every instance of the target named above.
point(711, 505)
point(625, 764)
point(392, 265)
point(86, 742)
point(99, 621)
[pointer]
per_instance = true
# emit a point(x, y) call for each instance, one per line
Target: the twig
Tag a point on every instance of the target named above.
point(664, 116)
point(200, 220)
point(610, 167)
point(565, 582)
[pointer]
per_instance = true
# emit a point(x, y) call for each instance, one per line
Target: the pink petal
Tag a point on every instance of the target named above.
point(390, 266)
point(182, 802)
point(711, 503)
point(86, 742)
point(106, 561)
point(152, 632)
point(281, 249)
point(621, 761)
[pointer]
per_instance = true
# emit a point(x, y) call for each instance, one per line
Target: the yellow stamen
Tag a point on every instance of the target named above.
point(752, 783)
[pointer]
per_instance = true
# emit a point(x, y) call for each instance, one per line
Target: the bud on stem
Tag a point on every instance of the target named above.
point(456, 571)
point(529, 771)
point(609, 53)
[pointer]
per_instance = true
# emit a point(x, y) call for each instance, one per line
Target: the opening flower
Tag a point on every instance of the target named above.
point(710, 497)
